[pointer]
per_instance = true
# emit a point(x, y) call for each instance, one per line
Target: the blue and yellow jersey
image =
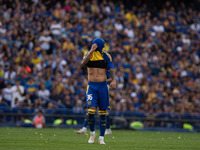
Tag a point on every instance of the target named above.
point(127, 46)
point(31, 87)
point(85, 35)
point(100, 60)
point(127, 69)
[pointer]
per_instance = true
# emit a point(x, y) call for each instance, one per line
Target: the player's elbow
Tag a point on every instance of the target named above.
point(82, 64)
point(112, 70)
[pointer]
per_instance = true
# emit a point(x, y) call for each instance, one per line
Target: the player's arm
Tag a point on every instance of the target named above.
point(113, 83)
point(87, 57)
point(109, 80)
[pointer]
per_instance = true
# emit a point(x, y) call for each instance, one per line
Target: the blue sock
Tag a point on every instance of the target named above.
point(85, 123)
point(107, 122)
point(102, 124)
point(91, 118)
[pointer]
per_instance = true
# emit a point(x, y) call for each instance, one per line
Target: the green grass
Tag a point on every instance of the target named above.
point(67, 139)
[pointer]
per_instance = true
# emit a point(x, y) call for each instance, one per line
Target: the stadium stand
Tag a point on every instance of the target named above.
point(155, 47)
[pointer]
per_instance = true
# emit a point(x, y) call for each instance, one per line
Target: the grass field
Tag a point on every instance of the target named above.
point(67, 139)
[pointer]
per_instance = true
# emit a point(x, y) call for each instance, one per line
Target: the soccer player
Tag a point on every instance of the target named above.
point(97, 62)
point(85, 124)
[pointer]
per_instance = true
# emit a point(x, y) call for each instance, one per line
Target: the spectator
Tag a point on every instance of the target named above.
point(1, 71)
point(15, 103)
point(45, 41)
point(56, 29)
point(118, 25)
point(129, 32)
point(78, 108)
point(31, 87)
point(7, 93)
point(43, 92)
point(10, 74)
point(39, 120)
point(41, 65)
point(158, 27)
point(68, 102)
point(3, 103)
point(17, 92)
point(195, 26)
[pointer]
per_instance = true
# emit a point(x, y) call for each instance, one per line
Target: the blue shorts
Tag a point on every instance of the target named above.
point(98, 95)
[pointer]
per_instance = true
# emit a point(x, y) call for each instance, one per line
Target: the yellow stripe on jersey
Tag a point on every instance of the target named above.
point(96, 55)
point(127, 70)
point(109, 56)
point(87, 89)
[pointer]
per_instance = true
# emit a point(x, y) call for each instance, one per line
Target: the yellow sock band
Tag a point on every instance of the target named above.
point(102, 112)
point(91, 111)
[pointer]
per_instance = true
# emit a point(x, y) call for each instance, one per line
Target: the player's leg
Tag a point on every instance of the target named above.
point(108, 130)
point(103, 105)
point(91, 122)
point(102, 125)
point(92, 105)
point(85, 125)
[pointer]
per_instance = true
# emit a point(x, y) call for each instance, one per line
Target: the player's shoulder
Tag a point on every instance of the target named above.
point(108, 55)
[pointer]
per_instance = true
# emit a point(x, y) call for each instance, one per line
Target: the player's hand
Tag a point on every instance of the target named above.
point(113, 84)
point(94, 47)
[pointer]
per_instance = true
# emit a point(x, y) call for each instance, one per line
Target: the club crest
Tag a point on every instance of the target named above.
point(89, 102)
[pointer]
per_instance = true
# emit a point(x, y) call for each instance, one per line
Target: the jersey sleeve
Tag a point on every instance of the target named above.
point(109, 61)
point(108, 74)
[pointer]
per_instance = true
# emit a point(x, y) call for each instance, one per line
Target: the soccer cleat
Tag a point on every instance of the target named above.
point(101, 140)
point(92, 137)
point(82, 131)
point(108, 132)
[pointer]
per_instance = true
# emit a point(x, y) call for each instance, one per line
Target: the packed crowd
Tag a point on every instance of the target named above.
point(154, 45)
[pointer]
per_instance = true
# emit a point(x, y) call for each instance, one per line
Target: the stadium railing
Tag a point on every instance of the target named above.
point(167, 120)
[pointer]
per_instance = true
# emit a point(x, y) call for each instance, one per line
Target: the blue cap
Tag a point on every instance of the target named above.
point(100, 44)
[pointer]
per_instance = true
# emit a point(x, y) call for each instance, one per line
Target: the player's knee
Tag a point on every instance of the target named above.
point(107, 112)
point(102, 112)
point(91, 111)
